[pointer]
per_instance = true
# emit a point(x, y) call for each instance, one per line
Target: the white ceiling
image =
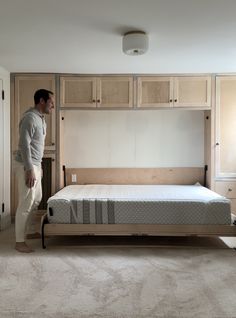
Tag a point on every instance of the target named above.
point(85, 36)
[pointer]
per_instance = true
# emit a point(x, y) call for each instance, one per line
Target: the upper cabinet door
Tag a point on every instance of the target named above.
point(192, 91)
point(25, 87)
point(225, 140)
point(77, 91)
point(115, 92)
point(155, 91)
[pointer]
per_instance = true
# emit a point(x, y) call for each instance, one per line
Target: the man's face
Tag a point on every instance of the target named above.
point(48, 106)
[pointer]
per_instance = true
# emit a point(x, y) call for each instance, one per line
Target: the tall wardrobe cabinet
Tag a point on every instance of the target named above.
point(225, 138)
point(23, 88)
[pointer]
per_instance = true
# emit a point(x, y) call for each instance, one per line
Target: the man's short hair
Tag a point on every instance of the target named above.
point(42, 93)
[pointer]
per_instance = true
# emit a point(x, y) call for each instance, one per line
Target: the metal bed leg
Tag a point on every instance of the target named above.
point(42, 234)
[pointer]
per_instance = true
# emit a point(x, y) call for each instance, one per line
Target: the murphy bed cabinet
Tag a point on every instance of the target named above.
point(225, 138)
point(100, 92)
point(182, 91)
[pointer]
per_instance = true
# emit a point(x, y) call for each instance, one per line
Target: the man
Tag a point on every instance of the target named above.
point(32, 131)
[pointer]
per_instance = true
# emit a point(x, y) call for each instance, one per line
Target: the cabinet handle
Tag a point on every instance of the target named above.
point(175, 100)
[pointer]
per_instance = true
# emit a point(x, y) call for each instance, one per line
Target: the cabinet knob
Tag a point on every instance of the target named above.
point(217, 144)
point(98, 100)
point(229, 189)
point(175, 100)
point(94, 101)
point(53, 143)
point(171, 100)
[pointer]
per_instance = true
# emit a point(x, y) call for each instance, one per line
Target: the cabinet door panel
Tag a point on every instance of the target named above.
point(225, 126)
point(226, 188)
point(155, 92)
point(25, 87)
point(78, 91)
point(192, 91)
point(115, 92)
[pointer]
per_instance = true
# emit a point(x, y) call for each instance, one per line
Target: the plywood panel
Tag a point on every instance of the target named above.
point(146, 138)
point(139, 229)
point(135, 175)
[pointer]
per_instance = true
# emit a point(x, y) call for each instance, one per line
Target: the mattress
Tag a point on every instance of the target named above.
point(138, 204)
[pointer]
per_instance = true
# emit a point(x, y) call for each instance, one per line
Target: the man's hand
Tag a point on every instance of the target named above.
point(30, 178)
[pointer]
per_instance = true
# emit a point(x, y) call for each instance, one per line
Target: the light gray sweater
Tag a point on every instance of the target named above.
point(32, 129)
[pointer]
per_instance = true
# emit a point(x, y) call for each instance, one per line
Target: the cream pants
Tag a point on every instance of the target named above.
point(29, 199)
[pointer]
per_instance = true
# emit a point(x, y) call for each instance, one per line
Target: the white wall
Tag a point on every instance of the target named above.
point(5, 76)
point(157, 138)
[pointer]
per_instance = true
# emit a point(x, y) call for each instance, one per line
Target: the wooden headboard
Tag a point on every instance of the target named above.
point(135, 175)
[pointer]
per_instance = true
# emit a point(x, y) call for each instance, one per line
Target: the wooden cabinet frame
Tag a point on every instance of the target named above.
point(217, 145)
point(63, 102)
point(141, 79)
point(178, 103)
point(115, 79)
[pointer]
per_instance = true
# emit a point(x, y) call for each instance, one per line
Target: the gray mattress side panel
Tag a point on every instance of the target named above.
point(139, 212)
point(172, 213)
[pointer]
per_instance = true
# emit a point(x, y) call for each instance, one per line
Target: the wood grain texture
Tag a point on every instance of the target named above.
point(140, 229)
point(135, 175)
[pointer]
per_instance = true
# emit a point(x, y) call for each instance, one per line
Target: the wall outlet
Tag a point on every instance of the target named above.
point(74, 178)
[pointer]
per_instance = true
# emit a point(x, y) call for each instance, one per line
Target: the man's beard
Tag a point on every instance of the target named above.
point(47, 110)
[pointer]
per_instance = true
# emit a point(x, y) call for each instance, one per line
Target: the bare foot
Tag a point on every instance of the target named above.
point(33, 236)
point(22, 247)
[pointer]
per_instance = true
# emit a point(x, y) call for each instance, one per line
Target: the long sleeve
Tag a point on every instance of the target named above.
point(27, 129)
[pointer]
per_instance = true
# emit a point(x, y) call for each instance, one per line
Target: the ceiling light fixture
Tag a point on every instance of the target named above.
point(135, 43)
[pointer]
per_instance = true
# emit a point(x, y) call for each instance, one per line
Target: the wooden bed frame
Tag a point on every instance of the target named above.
point(134, 176)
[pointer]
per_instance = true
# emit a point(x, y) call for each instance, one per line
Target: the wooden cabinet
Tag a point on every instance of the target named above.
point(24, 89)
point(115, 92)
point(228, 190)
point(225, 132)
point(78, 91)
point(192, 91)
point(154, 91)
point(182, 91)
point(233, 206)
point(102, 92)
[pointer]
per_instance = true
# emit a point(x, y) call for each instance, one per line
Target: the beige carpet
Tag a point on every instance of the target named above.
point(133, 280)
